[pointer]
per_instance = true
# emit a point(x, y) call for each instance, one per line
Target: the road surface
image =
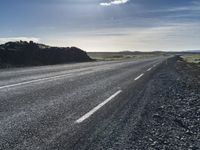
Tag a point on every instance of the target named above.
point(68, 106)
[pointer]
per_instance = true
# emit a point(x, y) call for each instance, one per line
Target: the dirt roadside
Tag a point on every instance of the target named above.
point(171, 119)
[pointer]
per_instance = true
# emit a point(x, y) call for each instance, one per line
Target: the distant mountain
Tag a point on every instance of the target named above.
point(31, 54)
point(139, 52)
point(194, 51)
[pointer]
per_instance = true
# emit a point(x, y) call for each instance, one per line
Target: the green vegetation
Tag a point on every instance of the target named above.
point(192, 58)
point(111, 56)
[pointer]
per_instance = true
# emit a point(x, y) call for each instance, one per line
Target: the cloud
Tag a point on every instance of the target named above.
point(9, 39)
point(114, 2)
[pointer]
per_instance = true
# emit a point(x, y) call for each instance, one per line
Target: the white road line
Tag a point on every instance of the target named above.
point(139, 76)
point(149, 69)
point(32, 81)
point(154, 65)
point(91, 112)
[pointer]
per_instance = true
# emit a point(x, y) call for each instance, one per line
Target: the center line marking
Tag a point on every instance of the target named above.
point(149, 69)
point(32, 81)
point(91, 112)
point(139, 76)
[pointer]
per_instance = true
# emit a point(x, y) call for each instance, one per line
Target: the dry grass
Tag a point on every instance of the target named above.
point(192, 58)
point(111, 56)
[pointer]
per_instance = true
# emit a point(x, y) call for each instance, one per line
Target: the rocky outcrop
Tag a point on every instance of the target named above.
point(31, 54)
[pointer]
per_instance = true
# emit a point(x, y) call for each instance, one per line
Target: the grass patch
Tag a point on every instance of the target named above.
point(192, 58)
point(112, 56)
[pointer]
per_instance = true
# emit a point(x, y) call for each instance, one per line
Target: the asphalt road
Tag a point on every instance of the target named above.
point(68, 106)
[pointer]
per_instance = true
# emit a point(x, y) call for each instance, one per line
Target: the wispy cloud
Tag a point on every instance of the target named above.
point(114, 2)
point(8, 39)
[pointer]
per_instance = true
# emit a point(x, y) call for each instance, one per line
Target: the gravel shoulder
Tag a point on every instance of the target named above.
point(171, 118)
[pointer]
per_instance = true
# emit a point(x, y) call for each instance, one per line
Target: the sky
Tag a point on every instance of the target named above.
point(103, 25)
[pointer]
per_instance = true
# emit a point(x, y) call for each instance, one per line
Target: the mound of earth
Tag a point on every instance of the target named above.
point(31, 54)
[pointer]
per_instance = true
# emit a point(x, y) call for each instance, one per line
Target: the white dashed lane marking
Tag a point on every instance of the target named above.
point(139, 76)
point(91, 112)
point(149, 69)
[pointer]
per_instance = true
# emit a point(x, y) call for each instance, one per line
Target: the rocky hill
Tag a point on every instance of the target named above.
point(33, 54)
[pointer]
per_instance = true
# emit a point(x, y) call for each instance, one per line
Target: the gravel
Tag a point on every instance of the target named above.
point(171, 119)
